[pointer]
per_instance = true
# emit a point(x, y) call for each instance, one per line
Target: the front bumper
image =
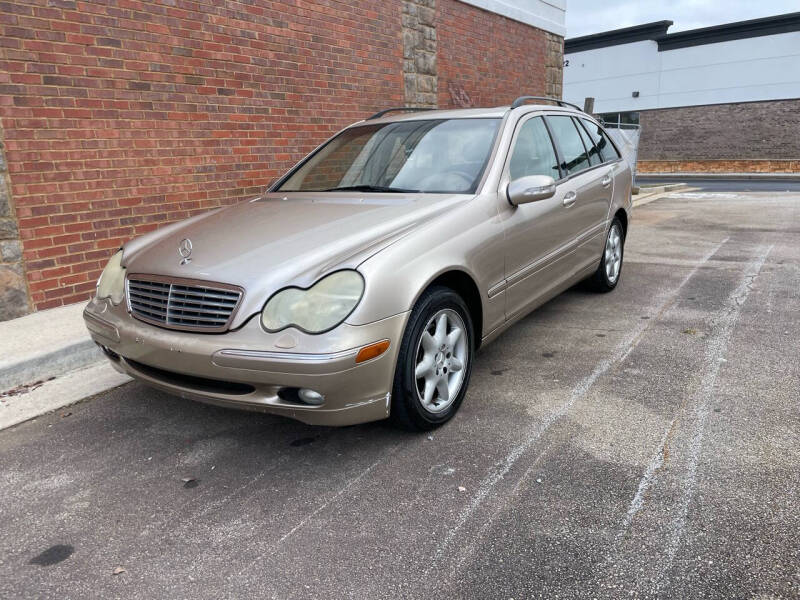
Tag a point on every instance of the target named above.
point(246, 368)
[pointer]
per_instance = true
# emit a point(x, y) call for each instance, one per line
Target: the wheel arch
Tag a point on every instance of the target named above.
point(465, 286)
point(622, 215)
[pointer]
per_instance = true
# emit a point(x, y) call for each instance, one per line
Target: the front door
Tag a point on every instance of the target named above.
point(538, 234)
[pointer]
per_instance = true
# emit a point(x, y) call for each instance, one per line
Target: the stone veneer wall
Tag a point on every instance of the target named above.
point(13, 286)
point(554, 65)
point(419, 52)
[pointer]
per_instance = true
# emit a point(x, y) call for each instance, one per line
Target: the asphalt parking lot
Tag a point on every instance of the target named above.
point(644, 443)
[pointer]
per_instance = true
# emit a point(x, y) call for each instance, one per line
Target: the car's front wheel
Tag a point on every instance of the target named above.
point(434, 362)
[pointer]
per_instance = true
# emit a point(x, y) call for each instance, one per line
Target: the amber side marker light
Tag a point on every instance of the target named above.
point(372, 351)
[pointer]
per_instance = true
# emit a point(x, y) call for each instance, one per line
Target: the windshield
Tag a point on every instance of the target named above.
point(435, 156)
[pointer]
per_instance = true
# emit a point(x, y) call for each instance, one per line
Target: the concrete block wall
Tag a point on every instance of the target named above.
point(754, 137)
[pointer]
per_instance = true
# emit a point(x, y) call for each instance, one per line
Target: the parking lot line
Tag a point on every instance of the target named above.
point(620, 352)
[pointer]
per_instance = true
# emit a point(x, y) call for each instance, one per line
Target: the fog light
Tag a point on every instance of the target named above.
point(310, 396)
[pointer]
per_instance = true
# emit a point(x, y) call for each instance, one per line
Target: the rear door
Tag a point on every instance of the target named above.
point(611, 156)
point(591, 182)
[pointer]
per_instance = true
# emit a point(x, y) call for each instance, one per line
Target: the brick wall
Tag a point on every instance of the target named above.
point(122, 116)
point(753, 131)
point(485, 59)
point(121, 119)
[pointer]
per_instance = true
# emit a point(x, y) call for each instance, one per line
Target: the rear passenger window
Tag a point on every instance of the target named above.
point(600, 139)
point(533, 152)
point(568, 140)
point(594, 153)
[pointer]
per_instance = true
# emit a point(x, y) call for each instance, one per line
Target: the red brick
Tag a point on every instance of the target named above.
point(719, 166)
point(503, 59)
point(142, 121)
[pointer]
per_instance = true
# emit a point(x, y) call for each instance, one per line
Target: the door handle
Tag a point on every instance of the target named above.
point(569, 198)
point(606, 181)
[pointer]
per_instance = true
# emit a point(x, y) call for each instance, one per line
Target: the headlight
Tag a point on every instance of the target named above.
point(319, 308)
point(112, 280)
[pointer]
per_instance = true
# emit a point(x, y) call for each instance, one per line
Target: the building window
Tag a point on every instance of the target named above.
point(623, 118)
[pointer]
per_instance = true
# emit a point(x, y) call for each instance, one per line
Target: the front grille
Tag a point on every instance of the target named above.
point(182, 304)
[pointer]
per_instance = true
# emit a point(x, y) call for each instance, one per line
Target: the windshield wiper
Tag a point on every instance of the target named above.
point(370, 188)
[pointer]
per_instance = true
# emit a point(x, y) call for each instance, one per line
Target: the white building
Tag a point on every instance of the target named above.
point(706, 98)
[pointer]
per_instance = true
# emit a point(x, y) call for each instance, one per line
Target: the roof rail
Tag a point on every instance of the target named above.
point(523, 99)
point(380, 113)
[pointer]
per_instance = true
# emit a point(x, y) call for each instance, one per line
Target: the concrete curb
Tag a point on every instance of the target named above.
point(648, 198)
point(44, 345)
point(658, 192)
point(50, 364)
point(58, 393)
point(647, 190)
point(48, 361)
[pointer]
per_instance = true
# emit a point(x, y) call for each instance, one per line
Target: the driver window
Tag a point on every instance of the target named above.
point(533, 152)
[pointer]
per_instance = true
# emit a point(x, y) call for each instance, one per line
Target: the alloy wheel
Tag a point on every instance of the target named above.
point(441, 360)
point(613, 254)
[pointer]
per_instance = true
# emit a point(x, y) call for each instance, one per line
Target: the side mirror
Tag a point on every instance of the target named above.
point(530, 189)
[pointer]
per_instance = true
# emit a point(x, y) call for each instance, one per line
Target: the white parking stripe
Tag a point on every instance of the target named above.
point(621, 351)
point(716, 349)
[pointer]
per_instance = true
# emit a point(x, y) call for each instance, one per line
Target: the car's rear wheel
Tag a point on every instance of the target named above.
point(609, 270)
point(435, 361)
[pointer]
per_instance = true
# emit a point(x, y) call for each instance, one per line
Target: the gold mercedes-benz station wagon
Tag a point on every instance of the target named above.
point(360, 286)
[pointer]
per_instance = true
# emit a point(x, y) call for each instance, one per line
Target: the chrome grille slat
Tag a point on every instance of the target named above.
point(148, 303)
point(203, 295)
point(152, 313)
point(202, 314)
point(202, 300)
point(135, 291)
point(178, 304)
point(140, 294)
point(152, 287)
point(198, 311)
point(188, 303)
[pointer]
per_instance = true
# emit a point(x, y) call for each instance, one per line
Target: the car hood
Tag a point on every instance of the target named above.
point(283, 239)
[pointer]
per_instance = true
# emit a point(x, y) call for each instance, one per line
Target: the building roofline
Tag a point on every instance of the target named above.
point(627, 35)
point(726, 32)
point(657, 31)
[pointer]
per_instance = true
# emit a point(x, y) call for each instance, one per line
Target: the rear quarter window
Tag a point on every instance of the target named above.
point(573, 154)
point(595, 158)
point(600, 138)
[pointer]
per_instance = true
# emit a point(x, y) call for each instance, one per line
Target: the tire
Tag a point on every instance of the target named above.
point(415, 405)
point(607, 275)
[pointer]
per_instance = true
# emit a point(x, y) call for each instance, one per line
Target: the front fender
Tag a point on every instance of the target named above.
point(468, 239)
